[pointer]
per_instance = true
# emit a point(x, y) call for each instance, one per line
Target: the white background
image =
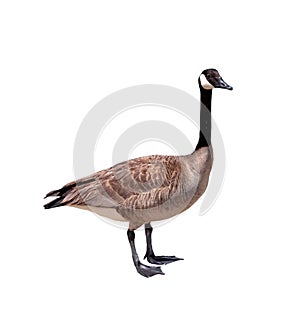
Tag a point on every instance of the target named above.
point(58, 59)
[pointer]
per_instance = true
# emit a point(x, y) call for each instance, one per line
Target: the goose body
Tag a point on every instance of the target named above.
point(149, 188)
point(142, 190)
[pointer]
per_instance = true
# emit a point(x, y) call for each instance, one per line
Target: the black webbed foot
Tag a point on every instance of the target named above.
point(148, 271)
point(161, 260)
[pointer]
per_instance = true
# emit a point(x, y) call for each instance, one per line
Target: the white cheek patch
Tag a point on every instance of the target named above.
point(206, 85)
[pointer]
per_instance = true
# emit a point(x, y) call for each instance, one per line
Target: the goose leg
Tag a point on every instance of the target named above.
point(142, 269)
point(158, 260)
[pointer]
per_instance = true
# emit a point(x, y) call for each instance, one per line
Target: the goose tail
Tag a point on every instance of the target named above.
point(53, 193)
point(61, 194)
point(54, 203)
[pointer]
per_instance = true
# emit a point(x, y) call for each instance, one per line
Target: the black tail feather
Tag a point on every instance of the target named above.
point(53, 193)
point(62, 191)
point(55, 203)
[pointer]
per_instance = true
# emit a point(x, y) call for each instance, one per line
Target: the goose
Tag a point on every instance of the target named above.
point(150, 188)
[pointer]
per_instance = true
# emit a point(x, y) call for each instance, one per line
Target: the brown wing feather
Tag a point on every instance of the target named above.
point(138, 183)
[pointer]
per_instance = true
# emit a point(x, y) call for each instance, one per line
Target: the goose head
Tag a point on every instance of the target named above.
point(210, 78)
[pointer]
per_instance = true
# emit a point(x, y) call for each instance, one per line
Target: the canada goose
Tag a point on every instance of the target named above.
point(149, 188)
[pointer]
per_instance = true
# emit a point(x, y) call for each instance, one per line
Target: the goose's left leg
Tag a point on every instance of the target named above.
point(158, 260)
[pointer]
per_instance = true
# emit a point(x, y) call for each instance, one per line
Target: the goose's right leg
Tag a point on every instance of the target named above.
point(151, 257)
point(142, 269)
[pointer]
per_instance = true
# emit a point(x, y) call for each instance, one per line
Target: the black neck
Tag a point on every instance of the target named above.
point(205, 118)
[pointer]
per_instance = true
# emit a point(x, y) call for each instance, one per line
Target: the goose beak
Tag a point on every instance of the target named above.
point(220, 83)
